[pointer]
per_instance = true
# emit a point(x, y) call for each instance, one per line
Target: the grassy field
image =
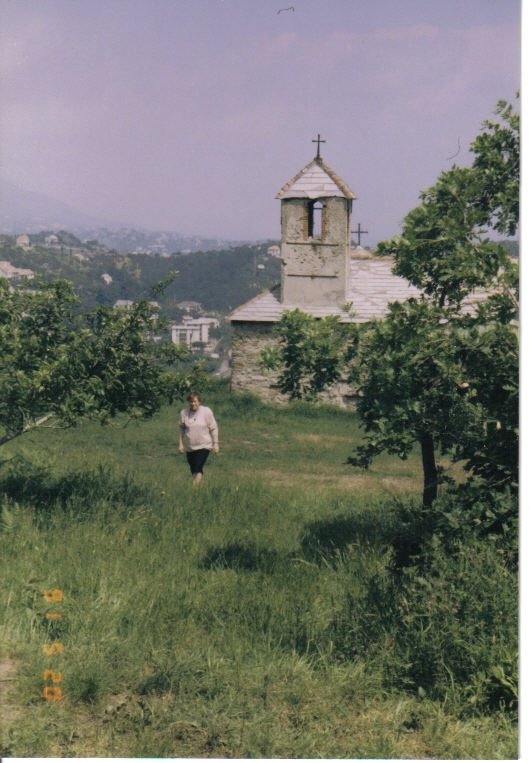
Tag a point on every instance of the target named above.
point(259, 615)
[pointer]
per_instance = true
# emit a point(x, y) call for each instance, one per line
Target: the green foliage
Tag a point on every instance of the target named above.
point(407, 374)
point(426, 372)
point(310, 354)
point(436, 612)
point(442, 248)
point(497, 164)
point(57, 363)
point(474, 511)
point(81, 492)
point(489, 346)
point(219, 280)
point(458, 627)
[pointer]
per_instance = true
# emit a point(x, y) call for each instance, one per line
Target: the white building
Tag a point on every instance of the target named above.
point(7, 270)
point(274, 251)
point(193, 330)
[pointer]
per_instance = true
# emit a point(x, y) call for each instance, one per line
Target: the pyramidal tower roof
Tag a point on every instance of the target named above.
point(314, 181)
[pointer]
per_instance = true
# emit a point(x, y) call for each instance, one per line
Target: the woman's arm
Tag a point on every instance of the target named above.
point(214, 432)
point(182, 429)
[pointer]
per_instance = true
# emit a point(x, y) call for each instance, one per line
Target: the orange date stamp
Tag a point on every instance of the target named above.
point(52, 692)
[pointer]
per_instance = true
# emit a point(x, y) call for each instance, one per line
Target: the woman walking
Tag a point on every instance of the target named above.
point(198, 435)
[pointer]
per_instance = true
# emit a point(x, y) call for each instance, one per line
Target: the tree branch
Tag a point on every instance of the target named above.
point(26, 428)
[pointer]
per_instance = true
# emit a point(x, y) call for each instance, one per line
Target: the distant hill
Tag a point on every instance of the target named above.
point(142, 241)
point(220, 280)
point(23, 211)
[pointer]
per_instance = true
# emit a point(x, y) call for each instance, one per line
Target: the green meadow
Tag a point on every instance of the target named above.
point(263, 614)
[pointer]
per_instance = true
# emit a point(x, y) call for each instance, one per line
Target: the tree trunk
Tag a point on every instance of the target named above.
point(430, 473)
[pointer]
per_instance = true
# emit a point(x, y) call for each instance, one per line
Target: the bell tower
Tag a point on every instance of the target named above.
point(316, 207)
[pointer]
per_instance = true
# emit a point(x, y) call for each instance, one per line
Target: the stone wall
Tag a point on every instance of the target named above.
point(248, 340)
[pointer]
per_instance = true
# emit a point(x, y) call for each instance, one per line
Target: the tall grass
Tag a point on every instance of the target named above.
point(253, 617)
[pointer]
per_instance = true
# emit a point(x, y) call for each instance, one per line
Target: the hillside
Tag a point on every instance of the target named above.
point(127, 239)
point(219, 280)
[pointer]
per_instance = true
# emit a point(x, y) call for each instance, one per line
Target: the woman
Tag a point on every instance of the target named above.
point(198, 435)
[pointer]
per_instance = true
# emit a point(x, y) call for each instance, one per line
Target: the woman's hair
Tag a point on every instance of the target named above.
point(192, 396)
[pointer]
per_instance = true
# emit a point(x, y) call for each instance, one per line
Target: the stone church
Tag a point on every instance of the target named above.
point(321, 274)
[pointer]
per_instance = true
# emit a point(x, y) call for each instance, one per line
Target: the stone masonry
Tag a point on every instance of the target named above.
point(248, 341)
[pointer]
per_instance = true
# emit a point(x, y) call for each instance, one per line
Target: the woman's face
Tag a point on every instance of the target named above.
point(194, 403)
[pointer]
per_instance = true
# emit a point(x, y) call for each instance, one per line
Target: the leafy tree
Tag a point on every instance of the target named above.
point(434, 371)
point(311, 354)
point(57, 364)
point(445, 381)
point(497, 165)
point(443, 248)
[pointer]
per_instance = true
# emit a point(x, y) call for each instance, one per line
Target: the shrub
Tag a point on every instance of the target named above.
point(456, 636)
point(434, 607)
point(474, 510)
point(79, 490)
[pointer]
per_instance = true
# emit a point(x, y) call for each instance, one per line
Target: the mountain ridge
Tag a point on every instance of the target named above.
point(24, 211)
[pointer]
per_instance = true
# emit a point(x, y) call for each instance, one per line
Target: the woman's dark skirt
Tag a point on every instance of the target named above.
point(197, 459)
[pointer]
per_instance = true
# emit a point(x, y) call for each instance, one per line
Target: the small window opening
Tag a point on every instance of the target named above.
point(315, 219)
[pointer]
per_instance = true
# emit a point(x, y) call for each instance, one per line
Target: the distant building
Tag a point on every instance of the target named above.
point(190, 307)
point(7, 270)
point(23, 241)
point(274, 251)
point(106, 278)
point(52, 240)
point(193, 330)
point(126, 304)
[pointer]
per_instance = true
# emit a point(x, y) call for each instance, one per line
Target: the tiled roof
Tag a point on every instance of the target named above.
point(315, 180)
point(372, 286)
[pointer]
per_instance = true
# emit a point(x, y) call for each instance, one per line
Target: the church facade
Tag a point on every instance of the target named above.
point(321, 274)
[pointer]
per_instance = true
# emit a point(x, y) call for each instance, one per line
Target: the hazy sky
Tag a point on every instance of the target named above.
point(190, 115)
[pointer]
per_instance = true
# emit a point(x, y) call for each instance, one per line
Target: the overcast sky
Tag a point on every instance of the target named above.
point(189, 115)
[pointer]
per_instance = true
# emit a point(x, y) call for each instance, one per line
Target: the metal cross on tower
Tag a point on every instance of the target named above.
point(318, 141)
point(359, 232)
